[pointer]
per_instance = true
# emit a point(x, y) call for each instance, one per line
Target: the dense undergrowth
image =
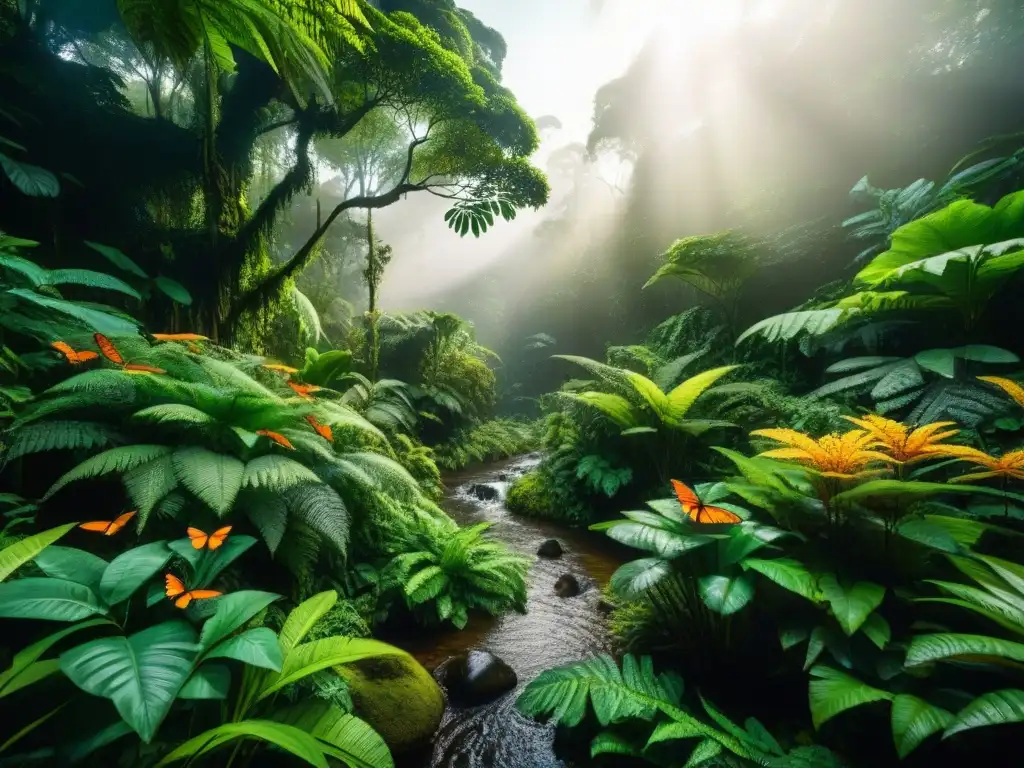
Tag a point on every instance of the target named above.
point(842, 558)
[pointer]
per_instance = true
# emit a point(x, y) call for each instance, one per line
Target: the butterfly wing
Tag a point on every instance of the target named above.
point(64, 349)
point(183, 601)
point(119, 523)
point(321, 429)
point(280, 368)
point(84, 356)
point(717, 515)
point(204, 594)
point(281, 440)
point(688, 499)
point(135, 368)
point(179, 337)
point(198, 537)
point(99, 526)
point(219, 536)
point(173, 586)
point(108, 349)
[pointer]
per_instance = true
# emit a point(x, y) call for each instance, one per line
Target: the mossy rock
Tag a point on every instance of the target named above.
point(530, 496)
point(398, 697)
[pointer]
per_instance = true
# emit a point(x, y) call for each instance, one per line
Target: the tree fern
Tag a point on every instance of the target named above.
point(276, 473)
point(60, 435)
point(174, 413)
point(214, 478)
point(120, 460)
point(149, 483)
point(320, 508)
point(267, 511)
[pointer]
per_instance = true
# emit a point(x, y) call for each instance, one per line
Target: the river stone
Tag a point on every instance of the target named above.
point(484, 492)
point(550, 548)
point(396, 696)
point(475, 677)
point(567, 586)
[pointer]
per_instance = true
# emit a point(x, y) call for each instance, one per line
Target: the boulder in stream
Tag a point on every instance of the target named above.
point(550, 548)
point(567, 586)
point(475, 677)
point(483, 492)
point(396, 696)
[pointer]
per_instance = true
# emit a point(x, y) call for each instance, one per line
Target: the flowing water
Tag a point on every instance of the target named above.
point(552, 632)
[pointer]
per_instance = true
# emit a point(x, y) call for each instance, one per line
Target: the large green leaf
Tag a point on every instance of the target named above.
point(914, 720)
point(308, 658)
point(141, 674)
point(117, 258)
point(637, 576)
point(292, 740)
point(19, 553)
point(668, 544)
point(130, 570)
point(95, 319)
point(15, 677)
point(174, 290)
point(993, 708)
point(215, 478)
point(682, 398)
point(851, 604)
point(788, 574)
point(726, 595)
point(48, 599)
point(342, 736)
point(73, 565)
point(257, 647)
point(30, 179)
point(938, 647)
point(784, 327)
point(234, 610)
point(303, 617)
point(210, 681)
point(835, 692)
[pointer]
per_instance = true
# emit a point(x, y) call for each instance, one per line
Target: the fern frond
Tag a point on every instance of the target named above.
point(276, 473)
point(60, 435)
point(120, 459)
point(321, 509)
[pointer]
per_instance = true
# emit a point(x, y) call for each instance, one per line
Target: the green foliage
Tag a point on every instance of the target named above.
point(443, 572)
point(490, 441)
point(634, 694)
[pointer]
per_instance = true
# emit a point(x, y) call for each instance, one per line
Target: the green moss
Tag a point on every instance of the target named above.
point(531, 496)
point(398, 697)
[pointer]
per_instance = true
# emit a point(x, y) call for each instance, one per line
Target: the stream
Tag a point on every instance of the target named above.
point(553, 631)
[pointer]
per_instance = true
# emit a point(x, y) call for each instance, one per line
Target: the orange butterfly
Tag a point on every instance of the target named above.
point(179, 337)
point(698, 511)
point(280, 368)
point(73, 357)
point(321, 429)
point(176, 589)
point(281, 440)
point(108, 527)
point(211, 541)
point(110, 352)
point(303, 390)
point(108, 349)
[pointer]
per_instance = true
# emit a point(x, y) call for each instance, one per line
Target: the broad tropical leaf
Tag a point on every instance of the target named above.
point(19, 553)
point(851, 605)
point(141, 674)
point(914, 720)
point(48, 599)
point(292, 740)
point(835, 692)
point(993, 708)
point(342, 736)
point(130, 570)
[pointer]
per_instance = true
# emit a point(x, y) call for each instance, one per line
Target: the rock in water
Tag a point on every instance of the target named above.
point(396, 696)
point(484, 492)
point(550, 548)
point(567, 586)
point(475, 677)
